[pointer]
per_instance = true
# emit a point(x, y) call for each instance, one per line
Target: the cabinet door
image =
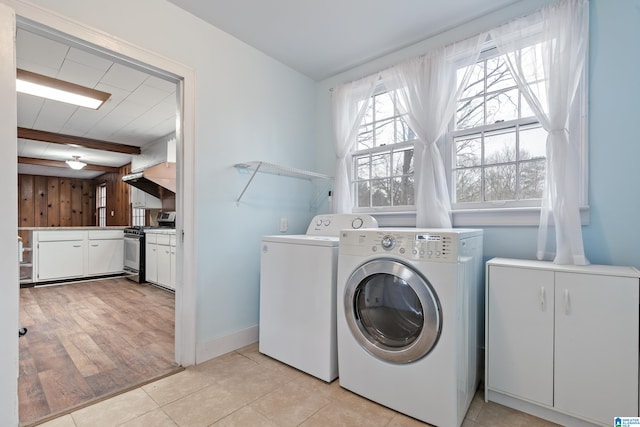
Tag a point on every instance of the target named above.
point(142, 200)
point(106, 256)
point(173, 263)
point(520, 333)
point(164, 265)
point(60, 260)
point(151, 262)
point(596, 361)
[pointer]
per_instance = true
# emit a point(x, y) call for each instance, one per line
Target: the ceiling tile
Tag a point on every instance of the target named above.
point(89, 59)
point(80, 74)
point(124, 78)
point(28, 109)
point(54, 115)
point(39, 50)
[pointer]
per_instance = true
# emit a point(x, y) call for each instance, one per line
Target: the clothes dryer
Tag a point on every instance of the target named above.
point(409, 319)
point(298, 294)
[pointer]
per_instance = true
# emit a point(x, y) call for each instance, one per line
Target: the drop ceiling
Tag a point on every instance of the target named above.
point(142, 108)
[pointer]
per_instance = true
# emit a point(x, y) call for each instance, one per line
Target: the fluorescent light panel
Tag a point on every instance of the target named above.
point(58, 90)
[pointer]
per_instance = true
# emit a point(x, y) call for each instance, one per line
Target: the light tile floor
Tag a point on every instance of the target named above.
point(245, 388)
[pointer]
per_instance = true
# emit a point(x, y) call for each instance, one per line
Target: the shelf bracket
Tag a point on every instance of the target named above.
point(248, 183)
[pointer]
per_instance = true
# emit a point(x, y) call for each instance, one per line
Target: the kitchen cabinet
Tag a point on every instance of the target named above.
point(151, 258)
point(164, 260)
point(142, 200)
point(60, 255)
point(160, 258)
point(76, 253)
point(106, 252)
point(172, 244)
point(562, 341)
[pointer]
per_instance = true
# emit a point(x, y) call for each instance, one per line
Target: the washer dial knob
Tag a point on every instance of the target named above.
point(388, 242)
point(357, 223)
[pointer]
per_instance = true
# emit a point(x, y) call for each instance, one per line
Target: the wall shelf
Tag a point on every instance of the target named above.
point(266, 167)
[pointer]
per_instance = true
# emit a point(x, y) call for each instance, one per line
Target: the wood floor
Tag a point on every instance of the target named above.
point(88, 340)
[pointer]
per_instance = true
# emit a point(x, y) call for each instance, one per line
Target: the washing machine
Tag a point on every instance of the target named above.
point(409, 319)
point(298, 294)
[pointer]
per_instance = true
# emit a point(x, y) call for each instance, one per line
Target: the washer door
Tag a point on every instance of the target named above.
point(392, 311)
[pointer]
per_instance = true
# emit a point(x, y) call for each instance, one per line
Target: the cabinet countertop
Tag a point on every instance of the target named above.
point(160, 231)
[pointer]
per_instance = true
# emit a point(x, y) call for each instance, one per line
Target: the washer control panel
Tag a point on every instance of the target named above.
point(413, 244)
point(331, 224)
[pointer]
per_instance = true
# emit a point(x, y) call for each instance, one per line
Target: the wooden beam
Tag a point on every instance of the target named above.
point(58, 138)
point(60, 164)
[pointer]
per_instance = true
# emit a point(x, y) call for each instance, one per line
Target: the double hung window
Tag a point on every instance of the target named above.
point(101, 204)
point(383, 160)
point(498, 144)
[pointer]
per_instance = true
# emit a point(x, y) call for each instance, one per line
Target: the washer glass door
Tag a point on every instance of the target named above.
point(392, 311)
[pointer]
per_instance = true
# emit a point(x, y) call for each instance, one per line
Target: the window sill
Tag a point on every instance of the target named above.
point(505, 217)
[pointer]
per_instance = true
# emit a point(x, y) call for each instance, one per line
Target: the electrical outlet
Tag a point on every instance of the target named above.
point(284, 224)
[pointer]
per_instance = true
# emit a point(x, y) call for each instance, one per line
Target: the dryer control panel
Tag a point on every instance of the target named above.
point(413, 244)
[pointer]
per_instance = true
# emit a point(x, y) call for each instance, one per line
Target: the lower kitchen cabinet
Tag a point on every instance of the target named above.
point(106, 252)
point(60, 259)
point(70, 254)
point(160, 259)
point(151, 258)
point(562, 341)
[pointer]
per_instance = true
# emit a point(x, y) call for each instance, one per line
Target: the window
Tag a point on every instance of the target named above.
point(499, 147)
point(383, 160)
point(101, 205)
point(138, 216)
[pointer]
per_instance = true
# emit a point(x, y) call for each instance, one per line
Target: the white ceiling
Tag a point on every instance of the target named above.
point(324, 37)
point(142, 107)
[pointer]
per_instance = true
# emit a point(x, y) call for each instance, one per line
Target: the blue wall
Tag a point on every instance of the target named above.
point(614, 141)
point(612, 235)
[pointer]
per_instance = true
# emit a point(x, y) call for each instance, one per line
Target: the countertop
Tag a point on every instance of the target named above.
point(160, 231)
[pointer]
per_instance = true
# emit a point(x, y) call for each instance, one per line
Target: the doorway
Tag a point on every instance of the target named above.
point(185, 296)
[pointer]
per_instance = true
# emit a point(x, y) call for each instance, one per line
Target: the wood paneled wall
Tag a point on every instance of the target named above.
point(118, 196)
point(47, 201)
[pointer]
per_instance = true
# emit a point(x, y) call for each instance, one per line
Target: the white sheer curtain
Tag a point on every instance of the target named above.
point(349, 103)
point(428, 88)
point(554, 41)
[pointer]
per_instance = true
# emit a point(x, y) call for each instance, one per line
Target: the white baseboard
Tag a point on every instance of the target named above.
point(222, 345)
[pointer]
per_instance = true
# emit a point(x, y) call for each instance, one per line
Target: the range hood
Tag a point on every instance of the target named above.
point(154, 180)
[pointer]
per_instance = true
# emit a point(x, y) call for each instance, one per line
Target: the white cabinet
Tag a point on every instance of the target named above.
point(67, 254)
point(151, 258)
point(142, 200)
point(60, 255)
point(172, 243)
point(164, 260)
point(562, 341)
point(160, 251)
point(106, 252)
